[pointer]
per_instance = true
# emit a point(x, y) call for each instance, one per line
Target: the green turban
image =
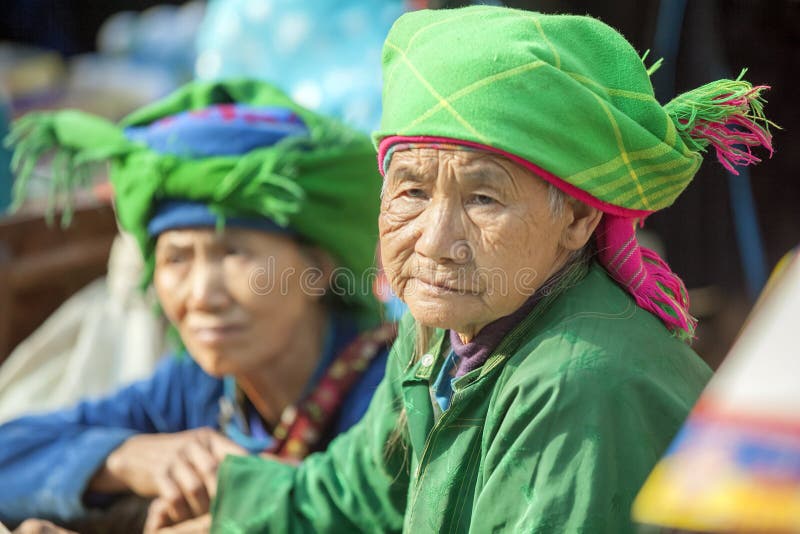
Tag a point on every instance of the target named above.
point(566, 92)
point(322, 185)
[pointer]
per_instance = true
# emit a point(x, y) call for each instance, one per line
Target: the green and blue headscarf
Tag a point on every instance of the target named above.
point(568, 98)
point(215, 153)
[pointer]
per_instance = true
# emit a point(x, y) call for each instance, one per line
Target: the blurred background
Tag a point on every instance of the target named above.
point(723, 236)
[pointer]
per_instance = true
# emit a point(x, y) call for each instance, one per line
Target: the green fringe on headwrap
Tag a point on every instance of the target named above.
point(324, 186)
point(652, 69)
point(40, 134)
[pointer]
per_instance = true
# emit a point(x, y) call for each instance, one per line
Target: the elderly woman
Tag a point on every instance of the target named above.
point(246, 206)
point(544, 366)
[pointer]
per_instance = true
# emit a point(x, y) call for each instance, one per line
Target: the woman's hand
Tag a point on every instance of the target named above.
point(189, 480)
point(136, 464)
point(142, 461)
point(162, 512)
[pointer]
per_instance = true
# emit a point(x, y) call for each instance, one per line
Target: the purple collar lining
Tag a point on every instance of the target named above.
point(475, 353)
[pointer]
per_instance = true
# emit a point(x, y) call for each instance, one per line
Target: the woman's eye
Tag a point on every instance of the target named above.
point(482, 200)
point(175, 258)
point(414, 193)
point(235, 251)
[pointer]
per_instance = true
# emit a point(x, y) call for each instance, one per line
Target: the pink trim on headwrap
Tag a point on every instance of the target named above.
point(640, 271)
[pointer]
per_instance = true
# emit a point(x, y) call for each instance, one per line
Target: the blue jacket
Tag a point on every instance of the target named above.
point(47, 461)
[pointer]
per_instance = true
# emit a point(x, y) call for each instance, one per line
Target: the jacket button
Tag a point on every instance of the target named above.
point(427, 360)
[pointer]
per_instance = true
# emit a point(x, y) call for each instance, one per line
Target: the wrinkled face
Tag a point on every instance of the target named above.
point(235, 297)
point(466, 237)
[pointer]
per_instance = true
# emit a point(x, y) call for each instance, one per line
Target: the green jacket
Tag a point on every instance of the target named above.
point(556, 432)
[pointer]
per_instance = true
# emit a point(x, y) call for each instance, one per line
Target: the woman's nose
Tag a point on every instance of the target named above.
point(442, 234)
point(207, 290)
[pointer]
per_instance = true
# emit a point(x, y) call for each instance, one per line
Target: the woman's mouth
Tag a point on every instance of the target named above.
point(441, 287)
point(216, 334)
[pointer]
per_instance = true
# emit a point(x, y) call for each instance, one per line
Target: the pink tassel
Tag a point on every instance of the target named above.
point(733, 128)
point(643, 274)
point(727, 141)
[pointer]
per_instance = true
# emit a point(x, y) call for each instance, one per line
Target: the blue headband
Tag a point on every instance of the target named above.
point(177, 214)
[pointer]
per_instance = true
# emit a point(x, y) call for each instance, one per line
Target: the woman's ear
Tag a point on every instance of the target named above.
point(582, 221)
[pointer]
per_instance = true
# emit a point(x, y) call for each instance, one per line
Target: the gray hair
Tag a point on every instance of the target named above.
point(556, 199)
